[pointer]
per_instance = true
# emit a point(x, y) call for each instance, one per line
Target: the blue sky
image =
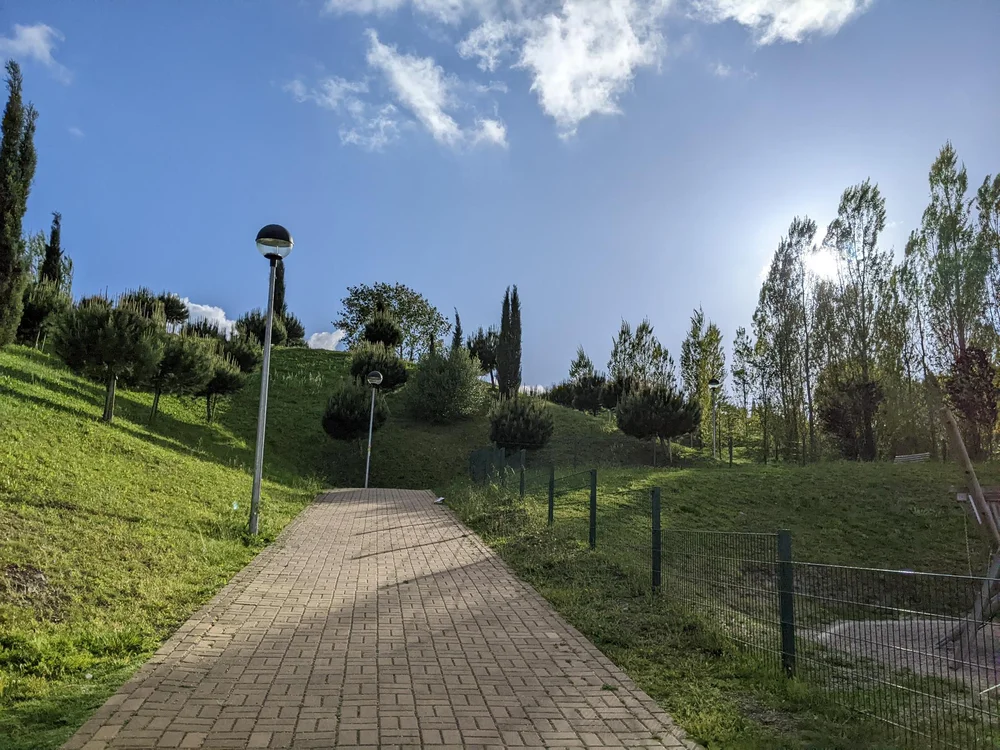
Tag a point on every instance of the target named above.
point(614, 158)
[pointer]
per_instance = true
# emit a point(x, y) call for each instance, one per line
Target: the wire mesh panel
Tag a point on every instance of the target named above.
point(624, 539)
point(729, 578)
point(917, 651)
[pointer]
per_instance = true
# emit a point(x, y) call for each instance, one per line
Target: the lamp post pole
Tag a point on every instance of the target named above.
point(274, 243)
point(374, 379)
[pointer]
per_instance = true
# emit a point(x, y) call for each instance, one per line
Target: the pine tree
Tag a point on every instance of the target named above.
point(17, 170)
point(52, 265)
point(456, 338)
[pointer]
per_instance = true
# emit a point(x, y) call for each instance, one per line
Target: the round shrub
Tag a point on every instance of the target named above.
point(561, 394)
point(522, 423)
point(588, 392)
point(382, 328)
point(296, 332)
point(245, 351)
point(367, 357)
point(445, 387)
point(44, 304)
point(348, 409)
point(254, 323)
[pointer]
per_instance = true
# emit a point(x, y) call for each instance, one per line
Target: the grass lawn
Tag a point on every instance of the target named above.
point(844, 513)
point(111, 535)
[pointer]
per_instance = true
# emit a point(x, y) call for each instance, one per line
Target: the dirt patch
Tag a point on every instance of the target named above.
point(27, 586)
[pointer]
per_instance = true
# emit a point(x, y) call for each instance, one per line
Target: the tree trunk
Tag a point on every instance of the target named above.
point(670, 452)
point(156, 405)
point(109, 400)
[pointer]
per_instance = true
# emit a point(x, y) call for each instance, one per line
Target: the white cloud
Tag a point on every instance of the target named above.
point(783, 20)
point(329, 94)
point(446, 11)
point(75, 132)
point(214, 315)
point(372, 133)
point(325, 340)
point(722, 70)
point(493, 132)
point(583, 58)
point(489, 42)
point(420, 85)
point(36, 43)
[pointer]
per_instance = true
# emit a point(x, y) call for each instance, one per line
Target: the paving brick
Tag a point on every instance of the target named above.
point(377, 620)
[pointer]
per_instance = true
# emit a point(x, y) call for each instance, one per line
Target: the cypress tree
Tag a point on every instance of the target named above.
point(456, 339)
point(503, 348)
point(52, 264)
point(280, 309)
point(17, 170)
point(515, 343)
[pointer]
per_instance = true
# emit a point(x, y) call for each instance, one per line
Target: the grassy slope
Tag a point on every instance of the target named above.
point(132, 527)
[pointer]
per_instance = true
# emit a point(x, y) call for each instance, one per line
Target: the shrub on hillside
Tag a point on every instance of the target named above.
point(245, 351)
point(203, 328)
point(44, 304)
point(174, 309)
point(561, 394)
point(348, 411)
point(254, 323)
point(522, 423)
point(227, 378)
point(295, 330)
point(188, 364)
point(657, 412)
point(109, 344)
point(588, 392)
point(445, 387)
point(382, 328)
point(367, 357)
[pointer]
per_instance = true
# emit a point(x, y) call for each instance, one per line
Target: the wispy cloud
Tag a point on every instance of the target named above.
point(76, 132)
point(721, 70)
point(36, 43)
point(783, 20)
point(325, 339)
point(214, 315)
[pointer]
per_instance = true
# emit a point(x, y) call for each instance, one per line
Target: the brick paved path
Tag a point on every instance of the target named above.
point(377, 620)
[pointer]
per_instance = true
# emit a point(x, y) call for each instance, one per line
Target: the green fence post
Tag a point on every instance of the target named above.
point(593, 508)
point(657, 542)
point(522, 474)
point(552, 493)
point(786, 601)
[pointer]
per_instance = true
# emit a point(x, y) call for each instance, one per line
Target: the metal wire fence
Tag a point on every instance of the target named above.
point(918, 653)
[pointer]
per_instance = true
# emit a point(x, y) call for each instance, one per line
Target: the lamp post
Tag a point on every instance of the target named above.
point(713, 386)
point(275, 243)
point(374, 380)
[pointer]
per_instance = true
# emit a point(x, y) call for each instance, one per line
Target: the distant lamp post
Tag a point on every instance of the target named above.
point(374, 380)
point(274, 243)
point(713, 386)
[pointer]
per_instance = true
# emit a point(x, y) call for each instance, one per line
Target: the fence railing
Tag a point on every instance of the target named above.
point(916, 652)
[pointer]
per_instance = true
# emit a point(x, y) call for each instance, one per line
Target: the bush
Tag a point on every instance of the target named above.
point(227, 378)
point(561, 394)
point(109, 344)
point(254, 323)
point(348, 409)
point(588, 392)
point(382, 328)
point(658, 411)
point(295, 330)
point(367, 357)
point(245, 351)
point(187, 366)
point(522, 423)
point(205, 329)
point(44, 304)
point(445, 388)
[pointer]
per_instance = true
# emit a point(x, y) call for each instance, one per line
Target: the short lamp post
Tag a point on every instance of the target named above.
point(275, 243)
point(374, 380)
point(713, 386)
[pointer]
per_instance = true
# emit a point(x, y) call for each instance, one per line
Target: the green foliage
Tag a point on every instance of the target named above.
point(296, 331)
point(109, 344)
point(638, 358)
point(445, 388)
point(174, 309)
point(52, 264)
point(972, 390)
point(561, 394)
point(280, 306)
point(846, 409)
point(588, 391)
point(657, 411)
point(245, 351)
point(254, 323)
point(383, 329)
point(581, 365)
point(144, 302)
point(348, 411)
point(456, 335)
point(227, 378)
point(204, 329)
point(188, 364)
point(420, 321)
point(367, 357)
point(17, 170)
point(483, 347)
point(509, 345)
point(520, 424)
point(44, 303)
